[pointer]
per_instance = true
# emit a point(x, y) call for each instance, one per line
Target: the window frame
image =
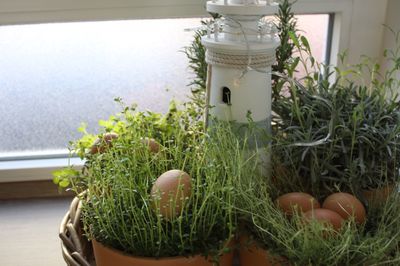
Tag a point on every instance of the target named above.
point(13, 12)
point(43, 11)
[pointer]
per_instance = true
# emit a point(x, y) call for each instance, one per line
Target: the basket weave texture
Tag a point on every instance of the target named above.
point(75, 248)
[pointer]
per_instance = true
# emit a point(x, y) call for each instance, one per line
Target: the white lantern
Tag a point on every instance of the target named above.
point(240, 59)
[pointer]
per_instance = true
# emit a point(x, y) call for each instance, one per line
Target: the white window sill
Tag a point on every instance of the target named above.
point(33, 169)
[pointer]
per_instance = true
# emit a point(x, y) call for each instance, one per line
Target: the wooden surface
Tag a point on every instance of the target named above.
point(31, 189)
point(29, 232)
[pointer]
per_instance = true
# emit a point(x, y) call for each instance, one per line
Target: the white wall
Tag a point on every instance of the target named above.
point(393, 21)
point(366, 29)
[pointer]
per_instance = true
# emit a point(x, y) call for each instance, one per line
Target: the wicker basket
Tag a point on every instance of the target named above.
point(76, 249)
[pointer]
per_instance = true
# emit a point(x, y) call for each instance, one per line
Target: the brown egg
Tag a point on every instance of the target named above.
point(346, 205)
point(170, 192)
point(153, 145)
point(100, 145)
point(325, 216)
point(297, 201)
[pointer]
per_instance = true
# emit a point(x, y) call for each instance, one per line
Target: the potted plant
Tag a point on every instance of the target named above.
point(329, 137)
point(134, 208)
point(339, 134)
point(299, 240)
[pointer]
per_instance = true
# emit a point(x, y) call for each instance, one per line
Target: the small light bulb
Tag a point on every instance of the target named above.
point(216, 32)
point(236, 83)
point(208, 29)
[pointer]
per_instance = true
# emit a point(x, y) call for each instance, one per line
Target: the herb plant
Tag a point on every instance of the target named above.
point(342, 134)
point(332, 131)
point(286, 25)
point(118, 209)
point(293, 242)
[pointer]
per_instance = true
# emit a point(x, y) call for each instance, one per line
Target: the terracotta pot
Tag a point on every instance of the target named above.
point(251, 254)
point(106, 256)
point(378, 196)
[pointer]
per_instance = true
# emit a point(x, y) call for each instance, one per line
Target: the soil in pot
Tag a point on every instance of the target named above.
point(106, 256)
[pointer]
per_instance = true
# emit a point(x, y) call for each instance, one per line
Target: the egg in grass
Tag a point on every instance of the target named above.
point(346, 205)
point(293, 202)
point(171, 192)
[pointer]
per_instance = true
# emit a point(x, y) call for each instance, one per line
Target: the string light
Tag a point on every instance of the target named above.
point(216, 31)
point(236, 82)
point(269, 30)
point(265, 28)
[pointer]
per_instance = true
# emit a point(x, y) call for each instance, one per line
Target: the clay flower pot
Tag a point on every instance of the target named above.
point(378, 196)
point(251, 254)
point(106, 256)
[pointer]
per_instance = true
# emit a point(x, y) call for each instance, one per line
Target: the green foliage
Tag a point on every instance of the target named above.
point(338, 134)
point(154, 124)
point(374, 243)
point(62, 177)
point(118, 209)
point(287, 27)
point(330, 134)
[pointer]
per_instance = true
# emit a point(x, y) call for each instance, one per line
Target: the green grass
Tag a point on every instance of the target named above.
point(374, 243)
point(118, 209)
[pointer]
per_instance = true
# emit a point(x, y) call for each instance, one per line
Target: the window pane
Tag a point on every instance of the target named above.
point(55, 76)
point(315, 29)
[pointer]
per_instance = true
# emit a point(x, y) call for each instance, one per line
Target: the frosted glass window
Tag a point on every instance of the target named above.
point(55, 76)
